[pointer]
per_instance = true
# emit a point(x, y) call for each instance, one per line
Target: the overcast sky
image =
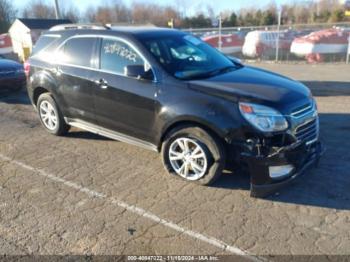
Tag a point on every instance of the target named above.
point(192, 6)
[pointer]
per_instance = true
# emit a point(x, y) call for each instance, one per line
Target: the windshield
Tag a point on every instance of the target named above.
point(187, 57)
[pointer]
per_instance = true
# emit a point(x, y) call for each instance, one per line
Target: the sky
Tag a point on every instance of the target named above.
point(191, 6)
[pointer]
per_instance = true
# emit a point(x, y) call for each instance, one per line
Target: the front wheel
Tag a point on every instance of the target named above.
point(193, 154)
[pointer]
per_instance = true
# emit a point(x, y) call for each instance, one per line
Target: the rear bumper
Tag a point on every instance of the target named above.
point(300, 155)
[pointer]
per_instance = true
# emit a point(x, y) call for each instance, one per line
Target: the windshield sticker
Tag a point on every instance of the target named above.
point(192, 39)
point(120, 51)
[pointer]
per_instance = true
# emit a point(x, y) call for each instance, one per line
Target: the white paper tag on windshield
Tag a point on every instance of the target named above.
point(193, 39)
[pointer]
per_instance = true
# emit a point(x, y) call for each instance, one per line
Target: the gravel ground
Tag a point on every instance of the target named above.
point(79, 194)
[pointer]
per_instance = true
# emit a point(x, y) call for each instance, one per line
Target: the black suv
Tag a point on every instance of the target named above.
point(168, 91)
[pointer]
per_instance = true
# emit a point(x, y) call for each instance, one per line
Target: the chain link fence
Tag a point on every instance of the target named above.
point(312, 43)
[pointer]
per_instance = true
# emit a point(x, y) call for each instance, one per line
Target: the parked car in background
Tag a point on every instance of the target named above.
point(12, 75)
point(5, 44)
point(170, 92)
point(231, 43)
point(262, 44)
point(316, 46)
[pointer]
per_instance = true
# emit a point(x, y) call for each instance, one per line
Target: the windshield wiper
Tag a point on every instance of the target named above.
point(211, 73)
point(221, 70)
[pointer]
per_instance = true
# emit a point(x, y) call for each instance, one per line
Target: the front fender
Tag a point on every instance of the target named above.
point(220, 116)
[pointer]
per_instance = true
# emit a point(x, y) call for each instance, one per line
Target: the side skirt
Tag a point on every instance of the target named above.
point(110, 134)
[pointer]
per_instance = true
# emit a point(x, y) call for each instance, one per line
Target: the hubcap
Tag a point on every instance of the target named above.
point(48, 115)
point(188, 158)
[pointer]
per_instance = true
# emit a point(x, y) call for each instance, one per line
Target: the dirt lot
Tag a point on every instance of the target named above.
point(84, 194)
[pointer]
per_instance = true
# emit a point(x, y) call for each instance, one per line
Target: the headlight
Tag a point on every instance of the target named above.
point(264, 118)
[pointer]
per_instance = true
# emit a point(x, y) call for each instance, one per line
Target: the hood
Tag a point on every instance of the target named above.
point(255, 85)
point(6, 64)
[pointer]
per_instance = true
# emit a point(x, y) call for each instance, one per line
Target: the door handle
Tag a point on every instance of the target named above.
point(102, 83)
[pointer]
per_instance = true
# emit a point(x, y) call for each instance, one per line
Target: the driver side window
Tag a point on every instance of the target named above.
point(116, 55)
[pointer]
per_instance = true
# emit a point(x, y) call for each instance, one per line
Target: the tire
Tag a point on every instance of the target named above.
point(57, 127)
point(209, 144)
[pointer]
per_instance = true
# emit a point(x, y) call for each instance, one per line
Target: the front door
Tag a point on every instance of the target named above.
point(124, 104)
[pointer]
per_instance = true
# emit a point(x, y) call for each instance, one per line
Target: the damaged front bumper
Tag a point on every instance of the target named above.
point(293, 160)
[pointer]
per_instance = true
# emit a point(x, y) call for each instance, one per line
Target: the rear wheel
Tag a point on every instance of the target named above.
point(50, 115)
point(193, 154)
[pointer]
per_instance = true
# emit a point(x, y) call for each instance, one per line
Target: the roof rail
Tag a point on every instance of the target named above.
point(118, 25)
point(76, 26)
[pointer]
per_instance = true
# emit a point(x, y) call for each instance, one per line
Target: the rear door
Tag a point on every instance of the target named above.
point(74, 73)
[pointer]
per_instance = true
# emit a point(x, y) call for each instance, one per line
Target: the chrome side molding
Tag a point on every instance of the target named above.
point(110, 134)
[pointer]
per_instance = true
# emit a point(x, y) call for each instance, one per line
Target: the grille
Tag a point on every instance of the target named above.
point(308, 132)
point(302, 110)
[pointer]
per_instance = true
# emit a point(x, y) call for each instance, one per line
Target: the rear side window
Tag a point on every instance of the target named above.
point(78, 51)
point(44, 42)
point(116, 55)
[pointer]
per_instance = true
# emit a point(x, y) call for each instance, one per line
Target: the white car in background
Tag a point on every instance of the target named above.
point(260, 43)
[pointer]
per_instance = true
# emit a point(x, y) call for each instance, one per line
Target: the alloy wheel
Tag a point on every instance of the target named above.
point(48, 115)
point(188, 158)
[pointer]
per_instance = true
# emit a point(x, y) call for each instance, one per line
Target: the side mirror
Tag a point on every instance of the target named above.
point(138, 71)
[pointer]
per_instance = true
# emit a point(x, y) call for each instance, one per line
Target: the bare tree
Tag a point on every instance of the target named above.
point(154, 14)
point(122, 13)
point(115, 11)
point(7, 14)
point(110, 12)
point(90, 15)
point(71, 13)
point(38, 9)
point(104, 15)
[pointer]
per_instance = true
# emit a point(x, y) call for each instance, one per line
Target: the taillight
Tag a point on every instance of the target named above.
point(26, 68)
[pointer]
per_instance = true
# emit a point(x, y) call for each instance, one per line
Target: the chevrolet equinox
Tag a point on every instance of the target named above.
point(168, 91)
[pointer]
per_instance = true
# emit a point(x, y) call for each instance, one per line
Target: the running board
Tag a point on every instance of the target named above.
point(110, 134)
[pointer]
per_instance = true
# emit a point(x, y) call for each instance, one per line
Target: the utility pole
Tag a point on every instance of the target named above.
point(57, 10)
point(348, 52)
point(220, 29)
point(278, 33)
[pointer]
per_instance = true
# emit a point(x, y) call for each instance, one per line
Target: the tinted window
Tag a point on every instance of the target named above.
point(43, 42)
point(78, 51)
point(116, 55)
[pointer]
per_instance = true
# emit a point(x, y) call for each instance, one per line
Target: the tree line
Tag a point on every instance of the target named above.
point(322, 11)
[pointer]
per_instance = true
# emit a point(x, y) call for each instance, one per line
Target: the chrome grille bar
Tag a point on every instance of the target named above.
point(302, 111)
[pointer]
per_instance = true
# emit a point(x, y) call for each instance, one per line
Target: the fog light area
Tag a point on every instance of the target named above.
point(278, 172)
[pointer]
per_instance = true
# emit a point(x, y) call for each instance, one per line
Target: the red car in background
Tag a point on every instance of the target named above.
point(316, 46)
point(231, 43)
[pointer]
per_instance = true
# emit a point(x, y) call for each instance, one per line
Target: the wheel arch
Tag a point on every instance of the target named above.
point(187, 123)
point(41, 82)
point(38, 91)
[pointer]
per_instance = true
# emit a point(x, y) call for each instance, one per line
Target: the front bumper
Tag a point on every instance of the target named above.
point(298, 154)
